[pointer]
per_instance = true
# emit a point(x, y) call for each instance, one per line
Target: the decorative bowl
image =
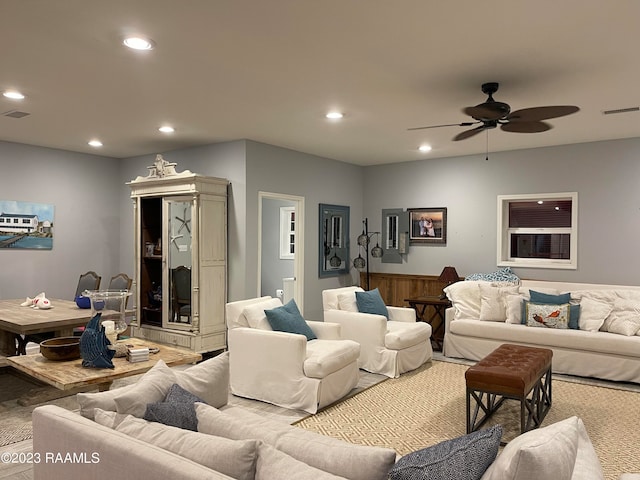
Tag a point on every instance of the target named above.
point(61, 348)
point(83, 302)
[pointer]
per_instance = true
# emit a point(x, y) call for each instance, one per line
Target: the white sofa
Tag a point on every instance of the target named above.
point(599, 354)
point(388, 347)
point(105, 441)
point(286, 369)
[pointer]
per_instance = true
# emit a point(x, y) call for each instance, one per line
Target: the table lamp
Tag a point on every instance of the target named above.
point(449, 276)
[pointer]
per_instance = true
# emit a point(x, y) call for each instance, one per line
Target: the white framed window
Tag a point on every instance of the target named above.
point(538, 230)
point(287, 232)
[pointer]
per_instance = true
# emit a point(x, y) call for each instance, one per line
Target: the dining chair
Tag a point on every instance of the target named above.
point(181, 292)
point(87, 281)
point(120, 281)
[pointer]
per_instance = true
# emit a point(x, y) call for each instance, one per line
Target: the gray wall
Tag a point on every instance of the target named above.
point(94, 213)
point(318, 180)
point(606, 176)
point(86, 219)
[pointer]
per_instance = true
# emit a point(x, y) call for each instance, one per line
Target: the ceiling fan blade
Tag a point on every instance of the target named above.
point(463, 124)
point(535, 114)
point(469, 133)
point(525, 127)
point(485, 112)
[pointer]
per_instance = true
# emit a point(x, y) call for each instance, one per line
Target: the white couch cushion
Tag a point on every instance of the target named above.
point(274, 464)
point(548, 452)
point(330, 296)
point(327, 356)
point(236, 458)
point(624, 318)
point(401, 335)
point(347, 301)
point(355, 462)
point(208, 380)
point(254, 313)
point(514, 308)
point(593, 313)
point(493, 301)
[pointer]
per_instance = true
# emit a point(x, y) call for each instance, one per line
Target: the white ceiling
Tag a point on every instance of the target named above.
point(269, 70)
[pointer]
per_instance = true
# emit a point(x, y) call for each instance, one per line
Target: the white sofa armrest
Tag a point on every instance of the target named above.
point(104, 453)
point(449, 315)
point(325, 330)
point(364, 328)
point(269, 366)
point(252, 350)
point(401, 314)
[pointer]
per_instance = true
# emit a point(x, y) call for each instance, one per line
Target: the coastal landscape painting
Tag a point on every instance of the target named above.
point(26, 225)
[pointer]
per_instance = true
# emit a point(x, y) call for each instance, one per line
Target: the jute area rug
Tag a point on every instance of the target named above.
point(427, 406)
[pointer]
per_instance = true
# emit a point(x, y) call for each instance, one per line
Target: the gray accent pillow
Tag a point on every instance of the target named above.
point(462, 458)
point(177, 409)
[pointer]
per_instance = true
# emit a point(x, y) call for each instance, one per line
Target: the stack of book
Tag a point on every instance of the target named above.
point(138, 354)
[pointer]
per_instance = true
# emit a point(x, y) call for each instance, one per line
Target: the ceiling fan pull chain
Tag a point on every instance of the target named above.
point(487, 157)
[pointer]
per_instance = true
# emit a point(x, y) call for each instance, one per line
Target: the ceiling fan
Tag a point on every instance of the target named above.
point(491, 113)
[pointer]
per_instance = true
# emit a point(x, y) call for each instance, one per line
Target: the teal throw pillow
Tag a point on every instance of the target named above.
point(371, 302)
point(549, 299)
point(288, 319)
point(463, 458)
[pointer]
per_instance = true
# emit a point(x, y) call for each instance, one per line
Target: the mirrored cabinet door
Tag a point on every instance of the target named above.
point(178, 300)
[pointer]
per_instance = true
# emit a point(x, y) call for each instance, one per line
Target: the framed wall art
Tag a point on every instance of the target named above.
point(26, 225)
point(333, 258)
point(427, 226)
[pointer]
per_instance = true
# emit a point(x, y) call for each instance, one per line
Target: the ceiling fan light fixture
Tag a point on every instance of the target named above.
point(424, 148)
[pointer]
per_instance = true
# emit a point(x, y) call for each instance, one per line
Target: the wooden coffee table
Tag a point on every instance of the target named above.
point(71, 377)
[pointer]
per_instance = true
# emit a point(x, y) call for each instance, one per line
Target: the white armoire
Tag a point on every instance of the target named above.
point(181, 258)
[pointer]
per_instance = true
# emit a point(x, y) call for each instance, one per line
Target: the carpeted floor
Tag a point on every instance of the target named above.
point(427, 406)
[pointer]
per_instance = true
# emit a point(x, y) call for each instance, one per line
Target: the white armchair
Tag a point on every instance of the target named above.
point(286, 369)
point(389, 347)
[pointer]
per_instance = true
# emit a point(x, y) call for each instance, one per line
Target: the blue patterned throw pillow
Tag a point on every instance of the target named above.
point(93, 345)
point(502, 275)
point(177, 409)
point(463, 458)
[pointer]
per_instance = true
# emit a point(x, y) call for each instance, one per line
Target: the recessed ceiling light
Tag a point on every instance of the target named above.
point(424, 148)
point(139, 43)
point(167, 129)
point(95, 143)
point(334, 115)
point(13, 95)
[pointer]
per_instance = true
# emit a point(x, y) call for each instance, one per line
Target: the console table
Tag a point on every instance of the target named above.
point(436, 319)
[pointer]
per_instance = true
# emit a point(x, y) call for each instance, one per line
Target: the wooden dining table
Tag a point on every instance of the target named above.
point(15, 320)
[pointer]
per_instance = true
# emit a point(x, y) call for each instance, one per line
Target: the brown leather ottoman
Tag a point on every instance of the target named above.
point(510, 372)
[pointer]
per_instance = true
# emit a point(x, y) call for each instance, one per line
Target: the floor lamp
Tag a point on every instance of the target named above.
point(364, 240)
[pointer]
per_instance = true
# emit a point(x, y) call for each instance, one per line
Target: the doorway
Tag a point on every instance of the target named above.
point(281, 246)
